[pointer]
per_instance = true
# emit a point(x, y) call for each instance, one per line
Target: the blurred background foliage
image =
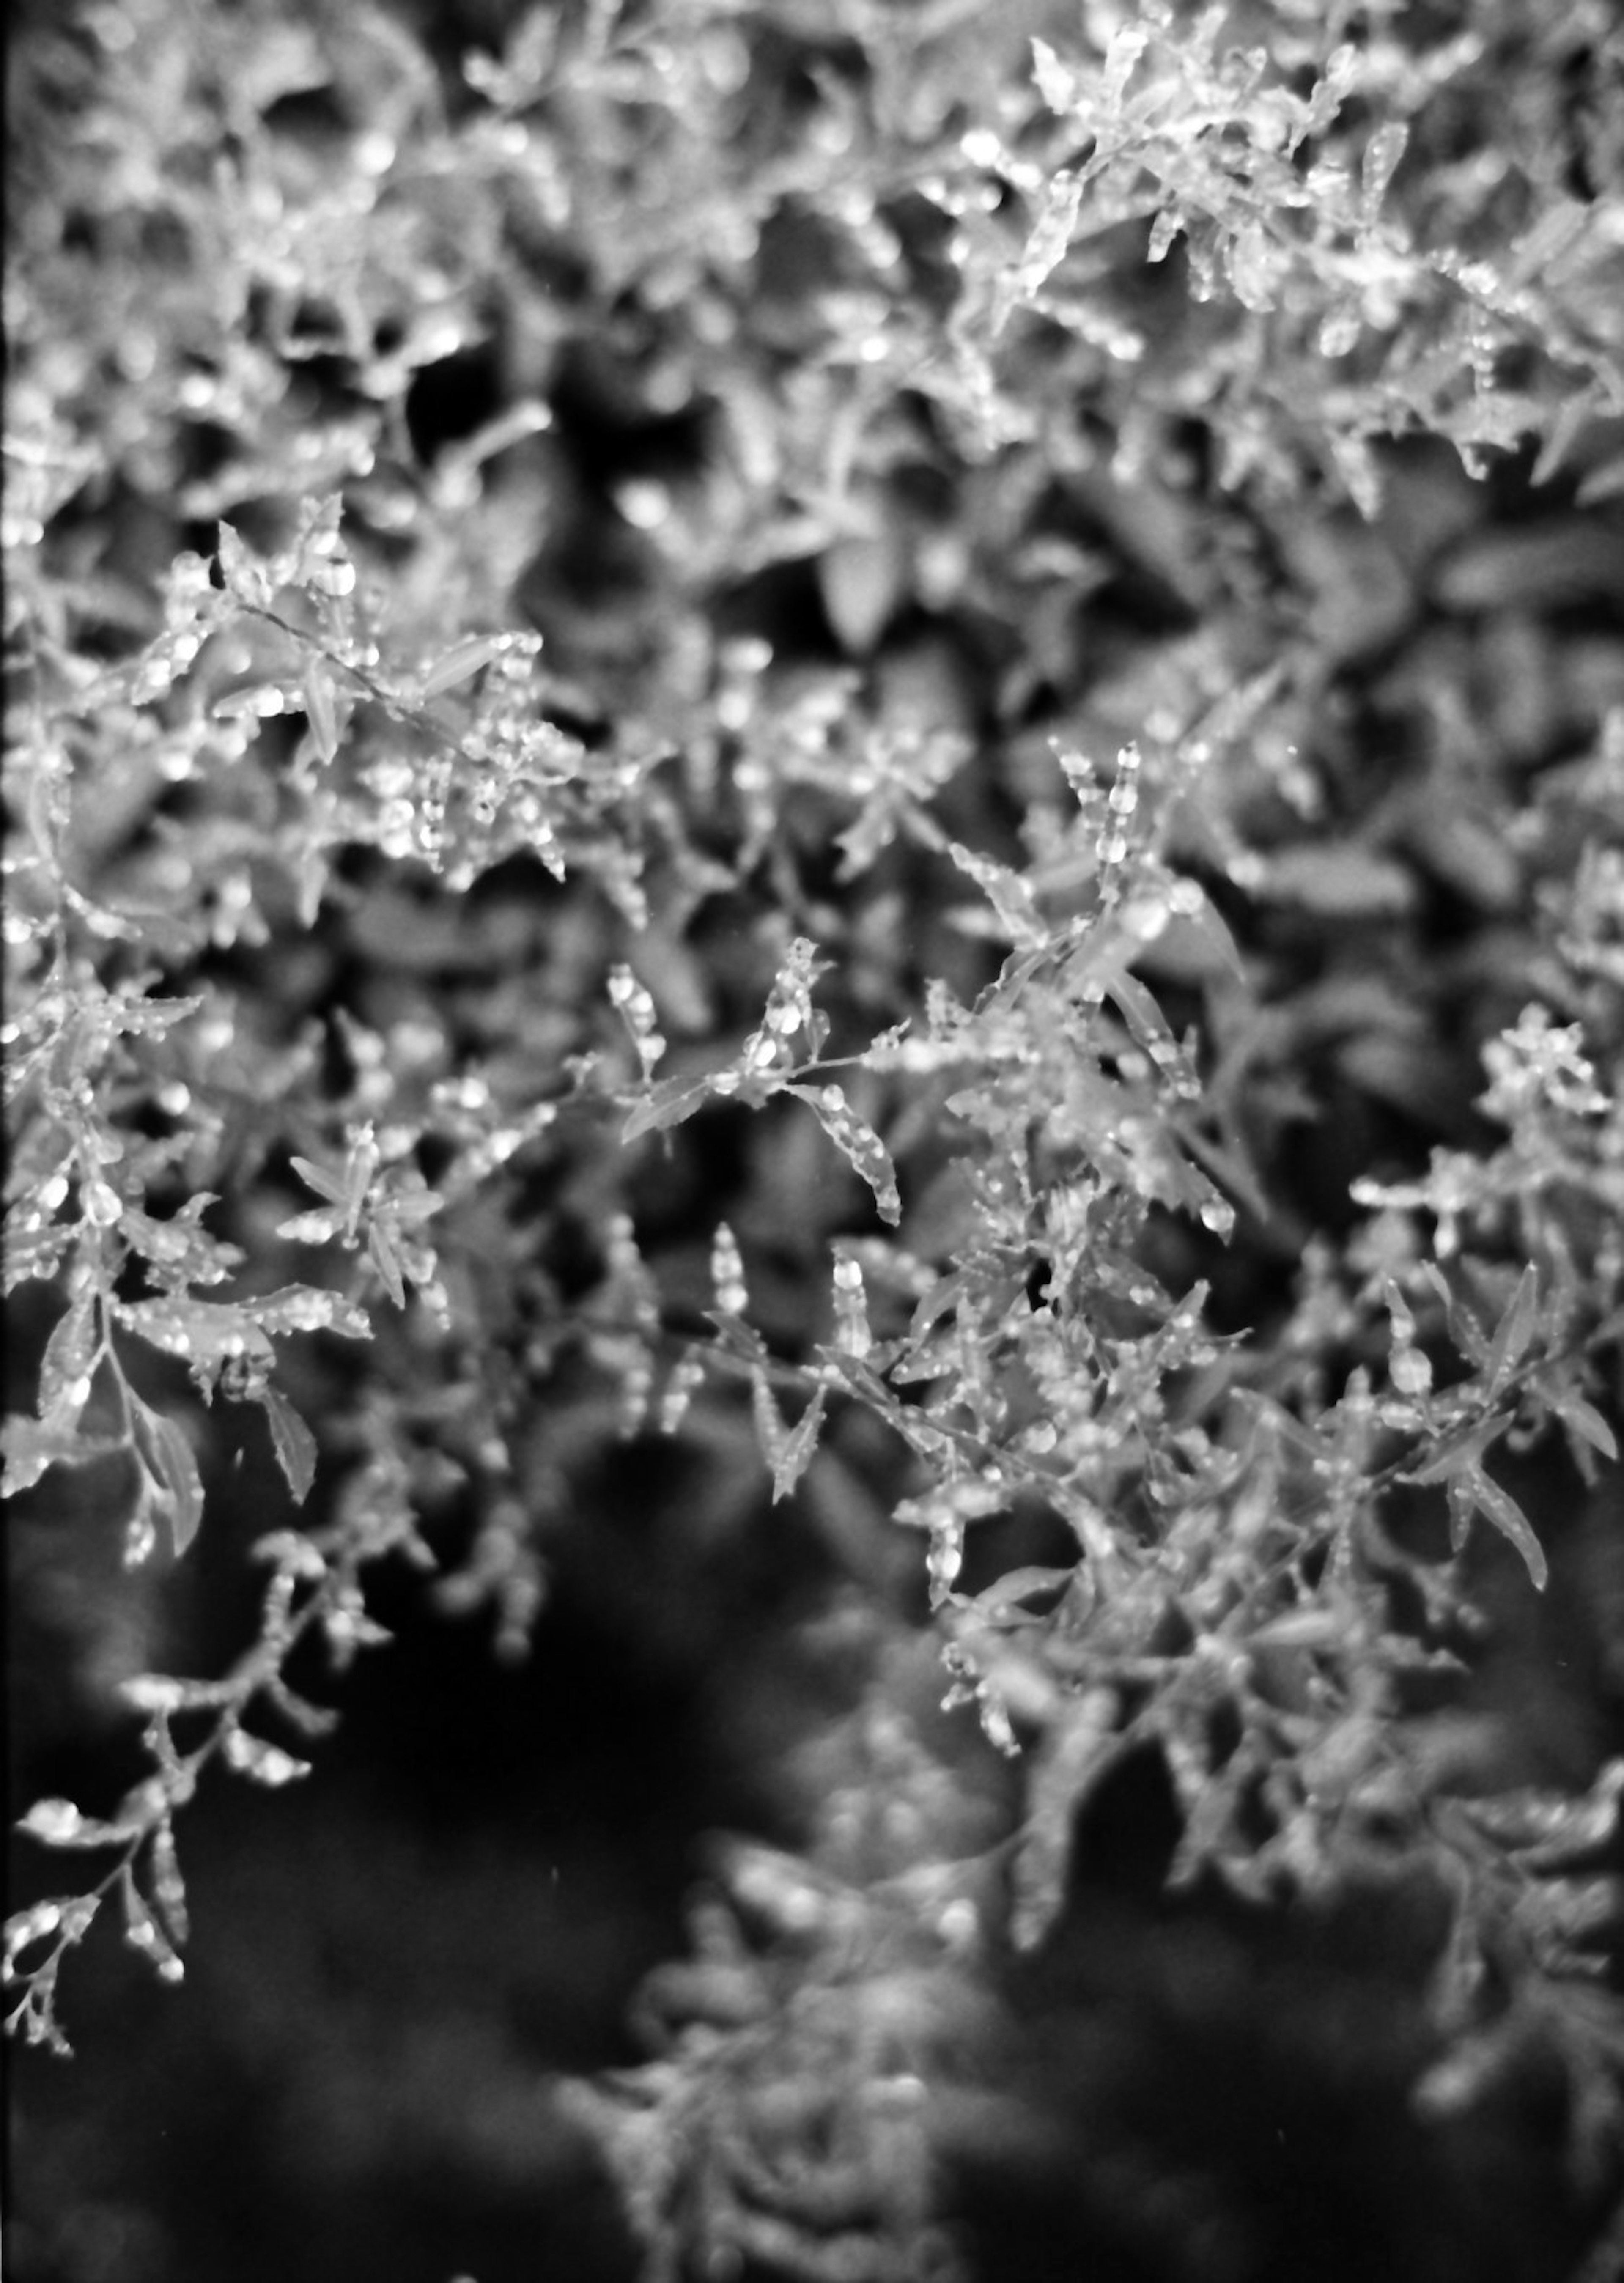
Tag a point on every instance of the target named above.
point(750, 355)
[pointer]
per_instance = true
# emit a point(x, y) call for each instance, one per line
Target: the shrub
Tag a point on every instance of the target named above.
point(895, 740)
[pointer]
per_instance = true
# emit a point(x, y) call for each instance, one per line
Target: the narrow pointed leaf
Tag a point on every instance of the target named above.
point(293, 1442)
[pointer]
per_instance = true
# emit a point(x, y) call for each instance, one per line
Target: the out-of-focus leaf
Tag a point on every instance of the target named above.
point(863, 579)
point(320, 710)
point(266, 1764)
point(31, 1445)
point(59, 1823)
point(168, 1888)
point(142, 1932)
point(1340, 881)
point(1079, 1749)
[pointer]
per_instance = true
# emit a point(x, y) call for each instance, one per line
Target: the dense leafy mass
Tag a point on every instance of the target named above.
point(877, 750)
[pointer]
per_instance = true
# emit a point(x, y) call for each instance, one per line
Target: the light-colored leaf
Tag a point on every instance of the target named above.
point(142, 1932)
point(1382, 154)
point(669, 1103)
point(1081, 1748)
point(771, 1432)
point(1050, 239)
point(1060, 86)
point(1456, 1452)
point(320, 711)
point(1514, 1331)
point(863, 579)
point(1018, 1586)
point(386, 1258)
point(797, 1452)
point(858, 1142)
point(1472, 1488)
point(1010, 896)
point(59, 1823)
point(293, 1442)
point(31, 1445)
point(200, 1331)
point(310, 1308)
point(66, 1366)
point(1588, 1423)
point(1339, 880)
point(266, 1763)
point(155, 1692)
point(461, 662)
point(65, 1915)
point(175, 1472)
point(168, 1888)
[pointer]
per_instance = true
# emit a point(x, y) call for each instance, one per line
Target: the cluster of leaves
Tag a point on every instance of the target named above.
point(623, 509)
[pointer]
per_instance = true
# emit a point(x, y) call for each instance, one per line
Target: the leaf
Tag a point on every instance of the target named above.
point(1018, 1586)
point(1145, 1020)
point(23, 1928)
point(65, 1916)
point(1199, 940)
point(863, 581)
point(143, 1933)
point(462, 661)
point(795, 1454)
point(59, 1823)
point(1060, 86)
point(30, 1445)
point(1009, 894)
point(1587, 1422)
point(1463, 1329)
point(317, 1178)
point(293, 1443)
point(1459, 1449)
point(1339, 880)
point(203, 1332)
point(1078, 1750)
point(942, 1297)
point(386, 1259)
point(174, 1469)
point(310, 1720)
point(1551, 1830)
point(669, 1103)
point(1473, 1489)
point(1051, 236)
point(1254, 267)
point(266, 1763)
point(770, 1428)
point(168, 1888)
point(241, 569)
point(1515, 1329)
point(319, 709)
point(1382, 154)
point(310, 1308)
point(858, 1142)
point(155, 1692)
point(312, 1227)
point(66, 1366)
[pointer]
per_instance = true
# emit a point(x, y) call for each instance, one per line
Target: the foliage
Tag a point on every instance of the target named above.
point(862, 569)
